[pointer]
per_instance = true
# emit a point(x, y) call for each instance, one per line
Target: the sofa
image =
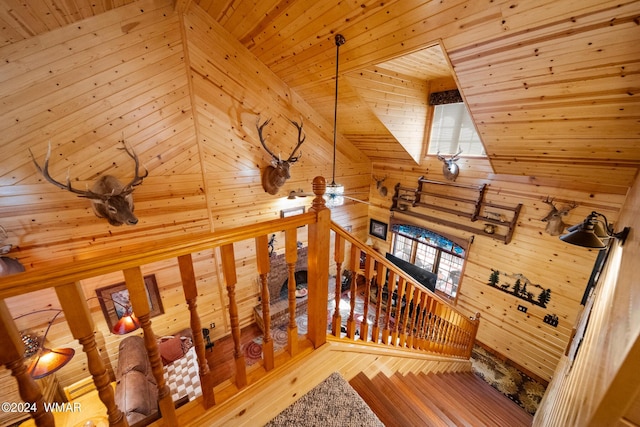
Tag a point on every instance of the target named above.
point(136, 391)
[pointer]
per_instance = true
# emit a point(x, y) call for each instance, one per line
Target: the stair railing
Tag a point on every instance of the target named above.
point(396, 310)
point(66, 281)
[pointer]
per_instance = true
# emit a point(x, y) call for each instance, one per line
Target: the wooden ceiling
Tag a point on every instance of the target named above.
point(552, 85)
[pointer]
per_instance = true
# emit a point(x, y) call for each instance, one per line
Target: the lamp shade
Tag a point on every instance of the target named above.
point(334, 195)
point(49, 361)
point(127, 323)
point(585, 235)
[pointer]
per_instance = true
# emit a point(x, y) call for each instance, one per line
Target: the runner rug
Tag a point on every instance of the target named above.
point(332, 403)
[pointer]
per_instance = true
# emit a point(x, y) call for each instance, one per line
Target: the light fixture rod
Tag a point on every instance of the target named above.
point(340, 40)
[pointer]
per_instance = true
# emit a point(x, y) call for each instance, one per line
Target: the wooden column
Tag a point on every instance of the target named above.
point(140, 304)
point(190, 288)
point(76, 311)
point(396, 326)
point(405, 316)
point(291, 257)
point(12, 356)
point(263, 261)
point(318, 266)
point(338, 257)
point(229, 269)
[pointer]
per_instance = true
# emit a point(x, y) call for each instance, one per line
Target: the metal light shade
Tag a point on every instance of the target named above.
point(126, 324)
point(584, 237)
point(49, 361)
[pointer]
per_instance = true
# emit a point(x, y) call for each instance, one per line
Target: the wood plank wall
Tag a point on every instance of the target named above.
point(185, 97)
point(544, 259)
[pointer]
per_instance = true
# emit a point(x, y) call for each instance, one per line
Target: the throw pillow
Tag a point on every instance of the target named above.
point(171, 350)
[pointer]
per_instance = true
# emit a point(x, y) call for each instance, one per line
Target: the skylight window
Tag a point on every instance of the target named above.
point(452, 129)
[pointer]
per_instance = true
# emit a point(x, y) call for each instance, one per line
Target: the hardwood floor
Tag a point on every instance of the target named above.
point(220, 358)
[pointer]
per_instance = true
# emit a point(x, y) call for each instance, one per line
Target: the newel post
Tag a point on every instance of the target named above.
point(318, 265)
point(12, 356)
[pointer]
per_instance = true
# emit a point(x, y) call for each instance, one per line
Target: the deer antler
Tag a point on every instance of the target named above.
point(137, 179)
point(263, 139)
point(44, 170)
point(301, 139)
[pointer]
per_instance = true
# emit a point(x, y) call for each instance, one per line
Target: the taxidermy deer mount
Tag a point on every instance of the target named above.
point(275, 175)
point(555, 225)
point(450, 168)
point(382, 189)
point(109, 197)
point(7, 265)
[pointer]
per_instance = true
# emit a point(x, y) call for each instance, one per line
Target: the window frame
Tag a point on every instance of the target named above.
point(455, 241)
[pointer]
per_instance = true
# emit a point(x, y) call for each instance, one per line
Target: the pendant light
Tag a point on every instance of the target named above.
point(334, 195)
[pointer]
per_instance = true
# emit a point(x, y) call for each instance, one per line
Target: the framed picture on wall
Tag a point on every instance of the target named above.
point(378, 229)
point(114, 300)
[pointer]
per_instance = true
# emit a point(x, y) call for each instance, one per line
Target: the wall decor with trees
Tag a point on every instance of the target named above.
point(518, 285)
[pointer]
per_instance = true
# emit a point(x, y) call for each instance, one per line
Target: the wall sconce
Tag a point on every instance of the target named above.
point(593, 232)
point(47, 361)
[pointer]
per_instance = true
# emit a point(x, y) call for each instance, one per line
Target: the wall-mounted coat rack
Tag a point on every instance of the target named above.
point(457, 200)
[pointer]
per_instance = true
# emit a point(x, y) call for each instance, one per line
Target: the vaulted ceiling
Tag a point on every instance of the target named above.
point(552, 85)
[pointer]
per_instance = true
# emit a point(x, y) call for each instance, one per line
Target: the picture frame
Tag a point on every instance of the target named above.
point(120, 294)
point(285, 213)
point(378, 229)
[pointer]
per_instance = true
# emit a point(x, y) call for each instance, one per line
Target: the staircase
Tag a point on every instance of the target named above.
point(445, 399)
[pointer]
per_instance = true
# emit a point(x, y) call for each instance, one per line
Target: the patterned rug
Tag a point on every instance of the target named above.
point(508, 380)
point(331, 403)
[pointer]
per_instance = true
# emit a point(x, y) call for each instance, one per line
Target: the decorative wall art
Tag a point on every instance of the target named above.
point(378, 229)
point(519, 286)
point(119, 293)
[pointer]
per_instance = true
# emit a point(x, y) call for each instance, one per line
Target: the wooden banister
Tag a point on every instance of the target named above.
point(419, 320)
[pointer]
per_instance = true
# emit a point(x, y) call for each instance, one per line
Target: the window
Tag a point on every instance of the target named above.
point(432, 252)
point(452, 130)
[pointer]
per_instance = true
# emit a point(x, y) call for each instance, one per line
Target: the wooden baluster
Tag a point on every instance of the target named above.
point(391, 285)
point(419, 327)
point(380, 274)
point(368, 274)
point(405, 315)
point(319, 233)
point(190, 289)
point(140, 304)
point(396, 327)
point(424, 323)
point(12, 356)
point(76, 311)
point(431, 326)
point(338, 257)
point(264, 265)
point(355, 264)
point(291, 257)
point(414, 317)
point(229, 269)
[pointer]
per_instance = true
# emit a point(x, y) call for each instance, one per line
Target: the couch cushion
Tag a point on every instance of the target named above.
point(136, 396)
point(132, 355)
point(171, 350)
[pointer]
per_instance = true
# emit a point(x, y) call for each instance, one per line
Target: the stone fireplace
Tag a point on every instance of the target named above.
point(278, 284)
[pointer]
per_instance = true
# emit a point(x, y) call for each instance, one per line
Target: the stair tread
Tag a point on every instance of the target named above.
point(439, 400)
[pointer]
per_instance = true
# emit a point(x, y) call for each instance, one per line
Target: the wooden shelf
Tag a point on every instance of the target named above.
point(461, 201)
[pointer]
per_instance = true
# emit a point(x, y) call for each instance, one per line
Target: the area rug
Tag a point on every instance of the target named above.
point(331, 403)
point(507, 379)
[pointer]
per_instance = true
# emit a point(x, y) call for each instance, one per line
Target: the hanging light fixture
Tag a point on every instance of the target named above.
point(594, 232)
point(334, 195)
point(47, 361)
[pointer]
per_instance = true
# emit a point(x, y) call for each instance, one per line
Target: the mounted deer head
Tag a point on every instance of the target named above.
point(109, 197)
point(555, 225)
point(450, 169)
point(382, 190)
point(275, 175)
